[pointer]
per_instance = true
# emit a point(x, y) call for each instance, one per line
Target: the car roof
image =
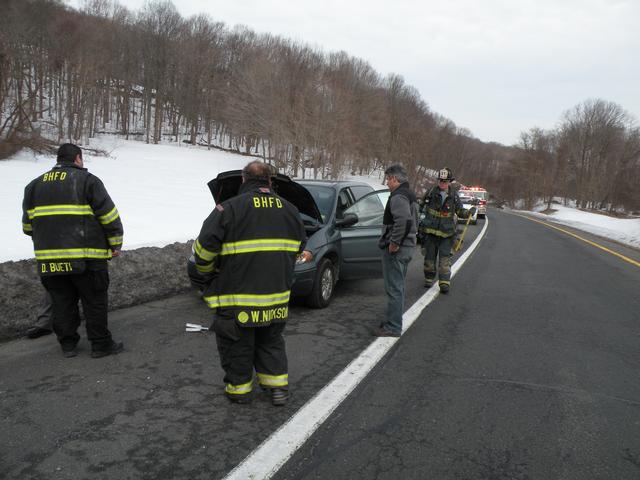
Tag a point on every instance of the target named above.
point(332, 183)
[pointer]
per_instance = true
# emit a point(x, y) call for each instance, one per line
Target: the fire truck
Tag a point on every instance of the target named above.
point(479, 193)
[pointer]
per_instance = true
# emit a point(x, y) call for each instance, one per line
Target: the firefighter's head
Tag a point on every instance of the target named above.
point(70, 153)
point(257, 171)
point(445, 177)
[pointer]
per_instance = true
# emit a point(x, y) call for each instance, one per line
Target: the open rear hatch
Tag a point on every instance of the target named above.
point(227, 184)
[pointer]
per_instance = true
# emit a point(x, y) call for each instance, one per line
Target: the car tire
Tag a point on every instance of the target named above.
point(325, 280)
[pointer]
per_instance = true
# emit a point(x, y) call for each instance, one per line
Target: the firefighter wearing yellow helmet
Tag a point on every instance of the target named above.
point(439, 205)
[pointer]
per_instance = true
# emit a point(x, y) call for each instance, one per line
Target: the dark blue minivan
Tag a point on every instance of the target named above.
point(343, 220)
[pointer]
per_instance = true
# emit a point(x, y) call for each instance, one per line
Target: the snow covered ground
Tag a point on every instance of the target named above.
point(622, 230)
point(162, 195)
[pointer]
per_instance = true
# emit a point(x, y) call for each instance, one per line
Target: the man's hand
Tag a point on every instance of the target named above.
point(393, 247)
point(115, 253)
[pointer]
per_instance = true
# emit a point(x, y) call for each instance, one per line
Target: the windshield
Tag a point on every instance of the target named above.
point(324, 198)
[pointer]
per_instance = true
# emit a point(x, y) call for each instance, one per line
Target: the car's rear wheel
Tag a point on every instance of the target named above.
point(325, 280)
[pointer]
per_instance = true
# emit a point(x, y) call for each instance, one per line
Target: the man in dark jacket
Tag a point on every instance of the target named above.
point(75, 228)
point(248, 245)
point(397, 242)
point(438, 228)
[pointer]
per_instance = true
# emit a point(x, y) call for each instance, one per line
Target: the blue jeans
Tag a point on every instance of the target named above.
point(394, 271)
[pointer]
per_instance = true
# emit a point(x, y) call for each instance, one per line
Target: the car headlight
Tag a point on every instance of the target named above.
point(304, 257)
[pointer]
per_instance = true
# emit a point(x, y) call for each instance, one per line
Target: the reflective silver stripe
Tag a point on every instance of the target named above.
point(109, 217)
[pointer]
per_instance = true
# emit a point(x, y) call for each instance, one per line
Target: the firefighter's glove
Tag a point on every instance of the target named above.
point(472, 211)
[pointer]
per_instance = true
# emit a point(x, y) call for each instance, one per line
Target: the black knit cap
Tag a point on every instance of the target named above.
point(67, 153)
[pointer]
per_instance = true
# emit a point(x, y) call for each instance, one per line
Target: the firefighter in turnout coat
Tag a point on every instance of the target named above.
point(248, 247)
point(438, 229)
point(75, 228)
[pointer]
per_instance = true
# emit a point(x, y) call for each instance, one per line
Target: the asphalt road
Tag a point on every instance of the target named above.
point(528, 369)
point(158, 411)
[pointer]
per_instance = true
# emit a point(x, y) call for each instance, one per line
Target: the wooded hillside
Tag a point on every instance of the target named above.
point(66, 75)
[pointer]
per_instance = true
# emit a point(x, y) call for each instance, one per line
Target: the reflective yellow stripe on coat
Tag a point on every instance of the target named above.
point(61, 253)
point(109, 217)
point(115, 241)
point(202, 252)
point(47, 210)
point(436, 213)
point(261, 245)
point(248, 300)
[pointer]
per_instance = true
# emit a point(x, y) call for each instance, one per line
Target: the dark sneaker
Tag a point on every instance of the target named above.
point(243, 399)
point(428, 282)
point(279, 396)
point(37, 332)
point(444, 288)
point(115, 347)
point(69, 352)
point(383, 332)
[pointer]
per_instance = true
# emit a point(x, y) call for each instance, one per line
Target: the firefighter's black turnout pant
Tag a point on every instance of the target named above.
point(91, 288)
point(437, 249)
point(243, 349)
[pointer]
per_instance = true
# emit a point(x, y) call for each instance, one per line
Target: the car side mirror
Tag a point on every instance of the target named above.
point(348, 220)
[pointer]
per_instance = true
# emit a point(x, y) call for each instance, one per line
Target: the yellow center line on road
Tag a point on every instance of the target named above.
point(619, 255)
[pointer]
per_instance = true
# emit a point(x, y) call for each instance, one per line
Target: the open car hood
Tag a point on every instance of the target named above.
point(227, 184)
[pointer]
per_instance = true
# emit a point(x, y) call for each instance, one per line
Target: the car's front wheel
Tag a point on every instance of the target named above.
point(325, 280)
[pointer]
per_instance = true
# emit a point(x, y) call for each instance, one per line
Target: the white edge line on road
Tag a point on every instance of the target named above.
point(272, 454)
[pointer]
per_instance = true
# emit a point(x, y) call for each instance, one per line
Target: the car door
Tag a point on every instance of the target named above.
point(361, 256)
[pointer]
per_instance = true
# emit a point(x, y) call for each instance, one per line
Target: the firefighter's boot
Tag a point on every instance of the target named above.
point(279, 396)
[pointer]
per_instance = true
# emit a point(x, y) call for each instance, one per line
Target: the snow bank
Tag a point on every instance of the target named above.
point(623, 230)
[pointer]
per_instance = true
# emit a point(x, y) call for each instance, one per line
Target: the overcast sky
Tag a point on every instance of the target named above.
point(496, 67)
